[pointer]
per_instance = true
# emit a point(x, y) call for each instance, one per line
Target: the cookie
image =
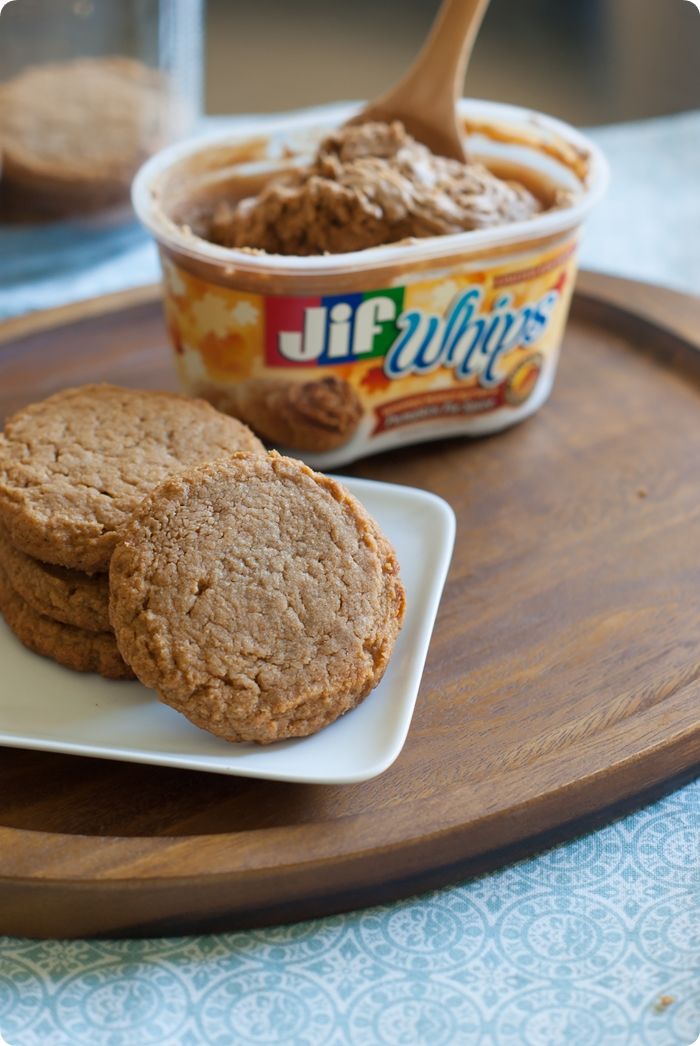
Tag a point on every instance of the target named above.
point(75, 466)
point(70, 596)
point(74, 133)
point(73, 647)
point(256, 596)
point(315, 416)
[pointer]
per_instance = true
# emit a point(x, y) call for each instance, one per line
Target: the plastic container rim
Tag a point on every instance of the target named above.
point(473, 242)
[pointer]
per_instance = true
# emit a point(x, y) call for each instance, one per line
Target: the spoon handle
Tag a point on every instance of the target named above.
point(437, 75)
point(425, 99)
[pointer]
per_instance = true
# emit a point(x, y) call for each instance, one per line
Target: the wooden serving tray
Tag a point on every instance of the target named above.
point(563, 680)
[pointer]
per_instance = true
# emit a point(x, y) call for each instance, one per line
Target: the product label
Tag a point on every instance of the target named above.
point(466, 339)
point(452, 346)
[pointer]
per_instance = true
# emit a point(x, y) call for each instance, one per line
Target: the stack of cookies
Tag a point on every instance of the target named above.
point(72, 470)
point(147, 534)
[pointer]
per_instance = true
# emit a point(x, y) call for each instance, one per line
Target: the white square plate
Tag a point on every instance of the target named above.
point(45, 706)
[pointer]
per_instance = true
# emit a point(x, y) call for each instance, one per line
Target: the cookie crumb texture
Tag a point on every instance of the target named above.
point(75, 466)
point(257, 597)
point(72, 647)
point(70, 596)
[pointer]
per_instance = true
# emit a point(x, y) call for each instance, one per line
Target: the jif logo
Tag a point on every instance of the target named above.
point(331, 329)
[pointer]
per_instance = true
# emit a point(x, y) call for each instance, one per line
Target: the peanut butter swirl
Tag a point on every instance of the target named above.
point(369, 185)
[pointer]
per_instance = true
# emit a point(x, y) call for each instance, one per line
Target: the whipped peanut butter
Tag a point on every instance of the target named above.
point(369, 185)
point(332, 345)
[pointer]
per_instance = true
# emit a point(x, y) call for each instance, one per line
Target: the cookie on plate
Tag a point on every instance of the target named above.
point(74, 133)
point(75, 466)
point(70, 596)
point(72, 647)
point(256, 596)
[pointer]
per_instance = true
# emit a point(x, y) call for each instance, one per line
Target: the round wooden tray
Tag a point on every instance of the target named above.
point(563, 676)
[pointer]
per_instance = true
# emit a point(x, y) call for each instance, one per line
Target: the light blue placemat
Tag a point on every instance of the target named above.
point(595, 943)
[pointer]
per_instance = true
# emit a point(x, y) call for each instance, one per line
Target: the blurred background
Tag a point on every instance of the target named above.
point(588, 61)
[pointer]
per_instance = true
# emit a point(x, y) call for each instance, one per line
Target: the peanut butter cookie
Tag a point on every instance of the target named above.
point(256, 596)
point(72, 647)
point(70, 596)
point(74, 133)
point(75, 466)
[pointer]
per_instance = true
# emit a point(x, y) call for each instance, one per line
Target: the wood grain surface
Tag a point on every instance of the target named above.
point(563, 676)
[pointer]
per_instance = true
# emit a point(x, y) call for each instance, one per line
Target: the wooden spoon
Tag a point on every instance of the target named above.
point(425, 99)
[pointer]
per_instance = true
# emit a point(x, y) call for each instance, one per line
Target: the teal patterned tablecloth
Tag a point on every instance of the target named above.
point(594, 943)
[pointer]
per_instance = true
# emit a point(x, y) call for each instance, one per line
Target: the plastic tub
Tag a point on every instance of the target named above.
point(335, 357)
